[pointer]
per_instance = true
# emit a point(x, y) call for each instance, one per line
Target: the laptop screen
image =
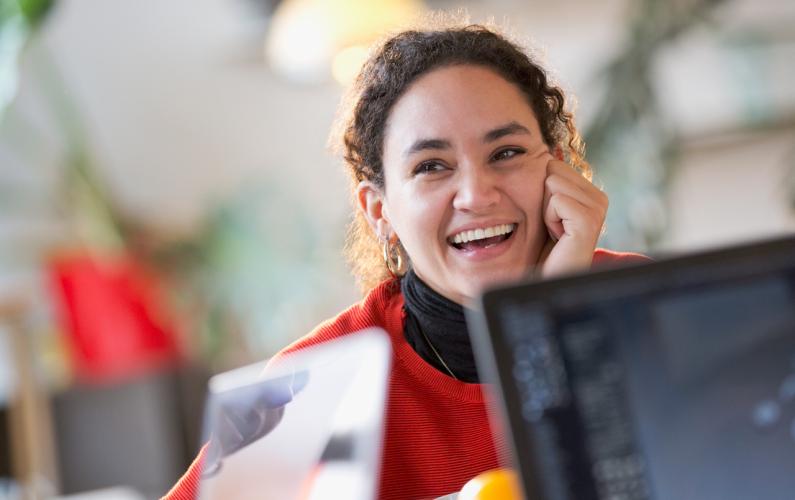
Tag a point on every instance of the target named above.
point(309, 426)
point(671, 380)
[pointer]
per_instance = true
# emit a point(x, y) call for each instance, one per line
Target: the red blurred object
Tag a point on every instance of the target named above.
point(109, 308)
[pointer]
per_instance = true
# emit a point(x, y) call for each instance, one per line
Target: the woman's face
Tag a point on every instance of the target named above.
point(464, 167)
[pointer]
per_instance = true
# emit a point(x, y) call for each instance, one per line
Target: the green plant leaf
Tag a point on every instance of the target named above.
point(35, 11)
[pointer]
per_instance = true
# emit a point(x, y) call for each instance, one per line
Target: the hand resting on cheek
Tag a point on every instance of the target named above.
point(574, 213)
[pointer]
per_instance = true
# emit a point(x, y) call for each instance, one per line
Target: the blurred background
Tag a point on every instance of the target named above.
point(169, 209)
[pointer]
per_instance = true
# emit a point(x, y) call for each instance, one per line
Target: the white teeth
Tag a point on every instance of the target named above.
point(479, 234)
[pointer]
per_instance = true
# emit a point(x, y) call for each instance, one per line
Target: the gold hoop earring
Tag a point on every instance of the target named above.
point(395, 259)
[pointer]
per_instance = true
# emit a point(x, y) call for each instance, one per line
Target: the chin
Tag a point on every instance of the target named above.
point(492, 280)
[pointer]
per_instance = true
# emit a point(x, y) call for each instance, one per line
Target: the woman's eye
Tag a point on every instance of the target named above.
point(506, 154)
point(427, 167)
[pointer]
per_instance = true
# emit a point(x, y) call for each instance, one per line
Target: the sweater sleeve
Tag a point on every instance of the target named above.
point(603, 258)
point(187, 488)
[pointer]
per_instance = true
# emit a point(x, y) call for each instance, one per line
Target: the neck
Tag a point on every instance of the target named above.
point(436, 328)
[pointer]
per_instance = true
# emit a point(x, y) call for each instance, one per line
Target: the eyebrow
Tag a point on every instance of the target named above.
point(426, 144)
point(509, 129)
point(490, 136)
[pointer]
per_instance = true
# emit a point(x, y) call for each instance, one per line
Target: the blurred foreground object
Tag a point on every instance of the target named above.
point(309, 428)
point(248, 414)
point(499, 484)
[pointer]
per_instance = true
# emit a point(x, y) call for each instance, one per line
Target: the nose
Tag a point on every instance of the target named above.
point(477, 189)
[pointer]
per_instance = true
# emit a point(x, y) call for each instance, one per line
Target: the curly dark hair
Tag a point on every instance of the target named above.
point(397, 62)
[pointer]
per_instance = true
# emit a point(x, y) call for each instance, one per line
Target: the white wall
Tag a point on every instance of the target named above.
point(182, 111)
point(733, 189)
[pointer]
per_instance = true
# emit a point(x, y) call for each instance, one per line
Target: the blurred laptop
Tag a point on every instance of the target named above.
point(668, 380)
point(309, 427)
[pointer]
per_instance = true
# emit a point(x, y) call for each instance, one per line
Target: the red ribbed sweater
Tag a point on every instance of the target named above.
point(437, 434)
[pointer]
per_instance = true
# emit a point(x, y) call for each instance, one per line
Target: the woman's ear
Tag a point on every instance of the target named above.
point(371, 202)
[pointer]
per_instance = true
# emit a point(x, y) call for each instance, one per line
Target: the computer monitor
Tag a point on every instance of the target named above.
point(673, 380)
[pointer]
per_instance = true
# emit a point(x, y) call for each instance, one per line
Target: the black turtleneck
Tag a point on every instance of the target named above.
point(442, 321)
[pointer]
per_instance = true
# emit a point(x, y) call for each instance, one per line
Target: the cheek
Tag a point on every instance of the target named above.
point(530, 193)
point(421, 226)
point(425, 215)
point(414, 215)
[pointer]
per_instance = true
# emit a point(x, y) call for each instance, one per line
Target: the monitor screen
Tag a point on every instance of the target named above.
point(673, 380)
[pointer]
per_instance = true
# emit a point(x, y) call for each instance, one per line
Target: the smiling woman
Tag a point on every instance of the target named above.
point(398, 75)
point(467, 171)
point(463, 154)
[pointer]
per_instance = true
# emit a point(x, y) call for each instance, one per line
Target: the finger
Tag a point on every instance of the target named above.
point(561, 178)
point(579, 232)
point(566, 170)
point(555, 183)
point(596, 197)
point(554, 214)
point(566, 216)
point(547, 192)
point(551, 220)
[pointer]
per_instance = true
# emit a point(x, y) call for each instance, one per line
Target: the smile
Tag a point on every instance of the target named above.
point(482, 237)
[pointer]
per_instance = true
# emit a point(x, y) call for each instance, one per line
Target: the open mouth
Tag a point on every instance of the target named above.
point(482, 238)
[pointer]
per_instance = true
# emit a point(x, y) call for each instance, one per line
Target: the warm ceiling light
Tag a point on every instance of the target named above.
point(347, 62)
point(310, 38)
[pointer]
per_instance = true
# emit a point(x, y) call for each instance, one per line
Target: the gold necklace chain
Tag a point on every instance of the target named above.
point(438, 356)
